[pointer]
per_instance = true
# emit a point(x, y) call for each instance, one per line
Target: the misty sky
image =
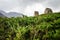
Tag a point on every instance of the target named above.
point(27, 7)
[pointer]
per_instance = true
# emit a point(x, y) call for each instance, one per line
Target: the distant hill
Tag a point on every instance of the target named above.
point(2, 13)
point(10, 14)
point(14, 14)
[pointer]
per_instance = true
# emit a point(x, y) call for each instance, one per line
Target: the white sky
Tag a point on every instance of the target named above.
point(27, 7)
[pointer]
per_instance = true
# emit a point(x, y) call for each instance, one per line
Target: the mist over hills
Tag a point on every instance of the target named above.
point(14, 14)
point(10, 14)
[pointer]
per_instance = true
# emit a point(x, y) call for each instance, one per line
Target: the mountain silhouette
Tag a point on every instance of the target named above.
point(10, 14)
point(14, 14)
point(2, 13)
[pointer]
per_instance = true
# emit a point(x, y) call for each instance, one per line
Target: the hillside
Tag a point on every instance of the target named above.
point(43, 27)
point(10, 14)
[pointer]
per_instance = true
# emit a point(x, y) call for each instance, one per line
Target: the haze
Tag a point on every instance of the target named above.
point(27, 7)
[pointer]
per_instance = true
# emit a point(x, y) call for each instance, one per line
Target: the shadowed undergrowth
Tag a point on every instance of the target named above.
point(43, 27)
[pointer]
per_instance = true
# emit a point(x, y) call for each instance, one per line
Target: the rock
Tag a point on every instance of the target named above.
point(36, 13)
point(48, 10)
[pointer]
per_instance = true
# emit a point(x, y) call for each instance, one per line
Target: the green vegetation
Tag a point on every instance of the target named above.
point(43, 27)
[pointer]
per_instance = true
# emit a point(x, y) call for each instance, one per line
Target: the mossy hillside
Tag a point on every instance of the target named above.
point(43, 27)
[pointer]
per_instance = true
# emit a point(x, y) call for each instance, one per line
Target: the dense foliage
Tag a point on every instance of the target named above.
point(43, 27)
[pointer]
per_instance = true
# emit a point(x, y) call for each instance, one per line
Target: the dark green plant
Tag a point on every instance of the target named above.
point(43, 27)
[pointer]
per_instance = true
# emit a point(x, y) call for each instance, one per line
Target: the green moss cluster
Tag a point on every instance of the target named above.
point(43, 27)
